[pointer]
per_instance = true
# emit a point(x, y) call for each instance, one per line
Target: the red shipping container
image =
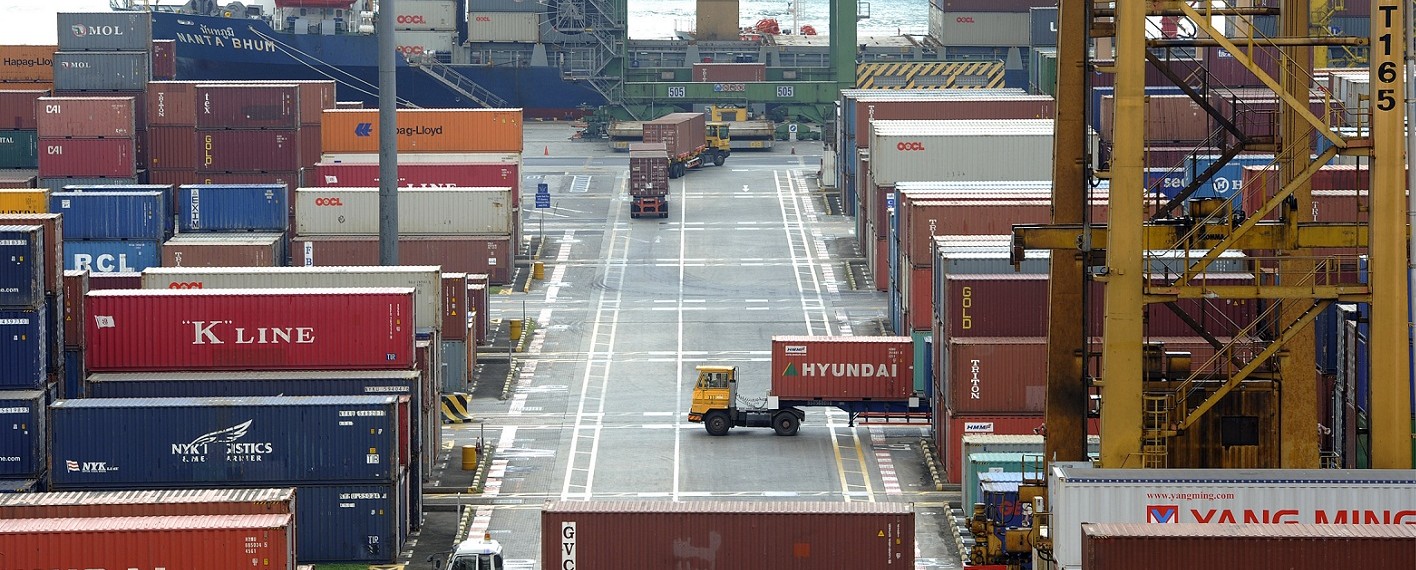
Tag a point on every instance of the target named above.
point(248, 151)
point(729, 72)
point(681, 133)
point(454, 294)
point(86, 117)
point(17, 179)
point(76, 286)
point(842, 368)
point(1184, 546)
point(950, 429)
point(315, 97)
point(172, 103)
point(172, 148)
point(981, 107)
point(458, 254)
point(877, 198)
point(882, 265)
point(1169, 119)
point(53, 225)
point(290, 178)
point(147, 503)
point(176, 177)
point(87, 158)
point(309, 145)
point(346, 175)
point(405, 429)
point(17, 109)
point(1003, 376)
point(478, 300)
point(99, 281)
point(225, 250)
point(209, 542)
point(920, 302)
point(291, 329)
point(247, 106)
point(139, 102)
point(164, 60)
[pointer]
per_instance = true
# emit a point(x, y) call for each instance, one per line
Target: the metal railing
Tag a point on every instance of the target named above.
point(450, 77)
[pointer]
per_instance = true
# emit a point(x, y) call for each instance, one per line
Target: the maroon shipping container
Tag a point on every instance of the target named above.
point(457, 254)
point(882, 265)
point(478, 301)
point(995, 375)
point(950, 429)
point(648, 170)
point(1169, 119)
point(877, 197)
point(1181, 66)
point(290, 178)
point(979, 217)
point(878, 106)
point(235, 542)
point(147, 503)
point(164, 60)
point(251, 329)
point(1328, 177)
point(172, 148)
point(53, 225)
point(315, 97)
point(139, 102)
point(1118, 546)
point(346, 175)
point(842, 368)
point(104, 281)
point(454, 294)
point(309, 145)
point(17, 109)
point(1256, 111)
point(86, 117)
point(247, 106)
point(224, 250)
point(1223, 69)
point(76, 286)
point(919, 304)
point(729, 72)
point(781, 535)
point(172, 103)
point(174, 177)
point(681, 133)
point(17, 179)
point(87, 158)
point(248, 151)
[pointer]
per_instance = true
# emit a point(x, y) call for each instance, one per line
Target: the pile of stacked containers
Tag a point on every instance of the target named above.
point(426, 26)
point(229, 225)
point(24, 349)
point(456, 331)
point(102, 55)
point(113, 229)
point(357, 484)
point(55, 295)
point(459, 192)
point(986, 29)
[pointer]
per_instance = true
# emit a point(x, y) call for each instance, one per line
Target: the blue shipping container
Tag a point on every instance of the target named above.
point(998, 491)
point(232, 207)
point(23, 349)
point(254, 384)
point(22, 440)
point(112, 256)
point(1325, 331)
point(176, 442)
point(349, 523)
point(21, 265)
point(1228, 182)
point(112, 215)
point(20, 486)
point(169, 198)
point(73, 373)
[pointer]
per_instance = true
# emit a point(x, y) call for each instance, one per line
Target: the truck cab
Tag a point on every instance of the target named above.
point(477, 554)
point(714, 404)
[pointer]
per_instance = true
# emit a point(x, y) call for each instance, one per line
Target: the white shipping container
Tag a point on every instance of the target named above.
point(1079, 494)
point(984, 28)
point(521, 27)
point(421, 211)
point(419, 42)
point(426, 158)
point(964, 150)
point(425, 15)
point(828, 169)
point(426, 282)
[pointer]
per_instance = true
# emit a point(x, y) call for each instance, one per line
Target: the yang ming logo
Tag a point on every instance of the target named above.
point(1163, 514)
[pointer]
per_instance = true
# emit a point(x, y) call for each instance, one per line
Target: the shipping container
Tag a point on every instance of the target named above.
point(289, 178)
point(477, 297)
point(250, 329)
point(211, 542)
point(19, 149)
point(863, 105)
point(994, 463)
point(520, 27)
point(421, 211)
point(23, 253)
point(492, 255)
point(67, 181)
point(76, 285)
point(22, 437)
point(960, 150)
point(1042, 25)
point(164, 60)
point(1000, 376)
point(172, 103)
point(681, 133)
point(87, 158)
point(416, 43)
point(457, 375)
point(950, 429)
point(139, 215)
point(424, 280)
point(426, 15)
point(248, 151)
point(505, 6)
point(454, 306)
point(73, 373)
point(1222, 496)
point(167, 442)
point(148, 503)
point(996, 443)
point(250, 384)
point(222, 208)
point(102, 70)
point(728, 72)
point(86, 117)
point(426, 130)
point(350, 175)
point(17, 110)
point(985, 28)
point(247, 106)
point(19, 179)
point(1170, 119)
point(1289, 546)
point(842, 368)
point(27, 64)
point(23, 347)
point(109, 280)
point(730, 534)
point(351, 523)
point(648, 170)
point(112, 256)
point(224, 250)
point(105, 31)
point(406, 158)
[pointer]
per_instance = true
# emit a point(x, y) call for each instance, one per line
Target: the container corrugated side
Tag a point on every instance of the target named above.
point(350, 522)
point(890, 105)
point(224, 250)
point(22, 437)
point(248, 150)
point(355, 175)
point(999, 376)
point(454, 306)
point(87, 158)
point(681, 133)
point(112, 256)
point(76, 285)
point(86, 117)
point(985, 28)
point(229, 207)
point(226, 542)
point(23, 347)
point(842, 368)
point(112, 215)
point(960, 150)
point(491, 255)
point(425, 130)
point(765, 534)
point(172, 103)
point(148, 503)
point(421, 211)
point(247, 106)
point(104, 31)
point(521, 27)
point(28, 64)
point(22, 257)
point(24, 201)
point(19, 149)
point(181, 442)
point(1290, 546)
point(424, 280)
point(426, 15)
point(250, 329)
point(251, 384)
point(102, 70)
point(1224, 496)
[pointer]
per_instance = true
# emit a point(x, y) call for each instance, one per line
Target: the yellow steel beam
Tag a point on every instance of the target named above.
point(1274, 41)
point(1347, 293)
point(1299, 444)
point(1202, 22)
point(1266, 235)
point(1390, 380)
point(1121, 366)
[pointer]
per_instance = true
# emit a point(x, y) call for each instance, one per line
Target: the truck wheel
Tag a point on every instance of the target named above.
point(719, 158)
point(716, 423)
point(786, 423)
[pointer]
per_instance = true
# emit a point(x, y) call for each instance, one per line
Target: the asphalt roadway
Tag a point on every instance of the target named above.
point(593, 403)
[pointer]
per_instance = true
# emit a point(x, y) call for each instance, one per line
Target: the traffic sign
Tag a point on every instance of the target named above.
point(543, 195)
point(792, 128)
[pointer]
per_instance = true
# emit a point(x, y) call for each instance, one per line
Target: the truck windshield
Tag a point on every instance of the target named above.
point(477, 562)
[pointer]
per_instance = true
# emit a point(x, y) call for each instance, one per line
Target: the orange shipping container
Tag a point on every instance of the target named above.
point(27, 63)
point(24, 201)
point(424, 130)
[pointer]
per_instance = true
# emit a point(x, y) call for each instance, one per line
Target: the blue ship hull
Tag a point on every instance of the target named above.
point(213, 48)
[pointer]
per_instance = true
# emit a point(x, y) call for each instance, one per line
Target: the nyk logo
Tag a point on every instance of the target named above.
point(88, 467)
point(363, 129)
point(81, 31)
point(234, 450)
point(910, 146)
point(211, 332)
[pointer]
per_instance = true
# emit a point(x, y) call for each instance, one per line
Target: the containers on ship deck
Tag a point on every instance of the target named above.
point(104, 31)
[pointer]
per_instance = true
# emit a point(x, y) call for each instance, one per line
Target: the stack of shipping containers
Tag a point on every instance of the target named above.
point(19, 135)
point(113, 229)
point(426, 27)
point(101, 55)
point(24, 348)
point(995, 30)
point(229, 225)
point(459, 197)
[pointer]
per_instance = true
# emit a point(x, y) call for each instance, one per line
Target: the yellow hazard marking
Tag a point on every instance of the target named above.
point(930, 75)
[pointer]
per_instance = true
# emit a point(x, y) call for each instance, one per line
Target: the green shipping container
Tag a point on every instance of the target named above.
point(1006, 462)
point(923, 362)
point(19, 149)
point(1042, 75)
